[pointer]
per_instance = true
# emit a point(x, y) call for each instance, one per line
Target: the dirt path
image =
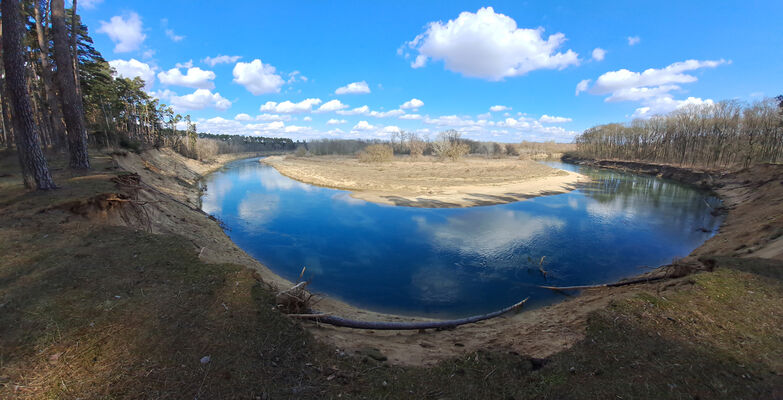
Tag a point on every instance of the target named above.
point(431, 183)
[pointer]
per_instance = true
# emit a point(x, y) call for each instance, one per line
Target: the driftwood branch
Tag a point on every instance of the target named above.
point(603, 285)
point(399, 326)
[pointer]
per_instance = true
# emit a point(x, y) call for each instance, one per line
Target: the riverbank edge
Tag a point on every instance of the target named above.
point(561, 337)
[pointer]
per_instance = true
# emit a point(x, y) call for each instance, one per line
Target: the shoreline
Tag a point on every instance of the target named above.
point(466, 183)
point(539, 332)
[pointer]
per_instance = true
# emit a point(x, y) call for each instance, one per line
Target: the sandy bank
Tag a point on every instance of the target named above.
point(430, 183)
point(751, 197)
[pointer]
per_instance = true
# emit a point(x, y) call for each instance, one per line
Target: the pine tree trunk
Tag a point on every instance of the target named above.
point(73, 110)
point(28, 143)
point(56, 115)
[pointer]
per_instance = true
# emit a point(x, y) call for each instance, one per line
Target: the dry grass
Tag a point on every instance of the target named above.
point(94, 311)
point(376, 153)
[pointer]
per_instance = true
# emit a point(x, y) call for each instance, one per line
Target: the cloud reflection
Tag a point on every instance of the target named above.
point(488, 232)
point(257, 209)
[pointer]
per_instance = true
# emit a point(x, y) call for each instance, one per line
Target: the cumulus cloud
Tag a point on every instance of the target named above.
point(353, 88)
point(173, 36)
point(652, 87)
point(187, 64)
point(257, 77)
point(489, 45)
point(272, 117)
point(665, 104)
point(289, 107)
point(198, 100)
point(332, 105)
point(220, 59)
point(243, 117)
point(134, 68)
point(633, 40)
point(499, 108)
point(363, 126)
point(335, 121)
point(125, 32)
point(410, 116)
point(412, 104)
point(599, 54)
point(356, 111)
point(385, 114)
point(195, 77)
point(546, 119)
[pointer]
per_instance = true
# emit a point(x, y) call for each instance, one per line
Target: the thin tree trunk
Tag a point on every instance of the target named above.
point(74, 48)
point(73, 110)
point(28, 144)
point(56, 115)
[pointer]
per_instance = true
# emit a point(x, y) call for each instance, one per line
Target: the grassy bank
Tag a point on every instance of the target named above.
point(96, 301)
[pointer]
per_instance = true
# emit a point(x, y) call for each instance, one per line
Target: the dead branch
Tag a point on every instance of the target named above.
point(603, 285)
point(399, 326)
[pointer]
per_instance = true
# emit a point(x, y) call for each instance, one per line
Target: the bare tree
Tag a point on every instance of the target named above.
point(73, 109)
point(28, 142)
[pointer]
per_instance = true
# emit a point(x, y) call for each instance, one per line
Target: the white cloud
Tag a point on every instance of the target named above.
point(363, 126)
point(599, 54)
point(173, 36)
point(353, 88)
point(134, 68)
point(499, 108)
point(412, 104)
point(307, 118)
point(335, 121)
point(356, 111)
point(195, 77)
point(546, 119)
point(666, 104)
point(288, 107)
point(385, 114)
point(212, 61)
point(257, 77)
point(199, 100)
point(410, 116)
point(126, 33)
point(243, 117)
point(332, 105)
point(490, 45)
point(296, 76)
point(582, 86)
point(652, 87)
point(272, 117)
point(633, 40)
point(187, 64)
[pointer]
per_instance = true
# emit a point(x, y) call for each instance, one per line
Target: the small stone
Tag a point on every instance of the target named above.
point(205, 359)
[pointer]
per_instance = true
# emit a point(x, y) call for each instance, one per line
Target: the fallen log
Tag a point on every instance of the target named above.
point(603, 285)
point(400, 326)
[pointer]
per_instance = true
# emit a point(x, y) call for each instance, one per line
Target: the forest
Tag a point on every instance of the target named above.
point(727, 134)
point(59, 94)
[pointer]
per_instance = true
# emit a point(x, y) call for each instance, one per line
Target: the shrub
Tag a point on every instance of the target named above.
point(416, 146)
point(300, 151)
point(450, 146)
point(376, 153)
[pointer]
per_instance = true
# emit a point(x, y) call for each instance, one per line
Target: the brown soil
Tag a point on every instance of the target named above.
point(428, 182)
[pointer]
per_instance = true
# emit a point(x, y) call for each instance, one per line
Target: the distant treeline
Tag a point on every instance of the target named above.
point(725, 134)
point(409, 143)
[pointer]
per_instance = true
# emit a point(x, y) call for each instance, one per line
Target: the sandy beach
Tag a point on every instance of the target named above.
point(428, 182)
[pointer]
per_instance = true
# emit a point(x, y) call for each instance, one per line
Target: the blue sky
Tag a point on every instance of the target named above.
point(538, 60)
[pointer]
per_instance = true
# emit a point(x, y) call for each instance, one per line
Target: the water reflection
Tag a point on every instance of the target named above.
point(452, 262)
point(487, 231)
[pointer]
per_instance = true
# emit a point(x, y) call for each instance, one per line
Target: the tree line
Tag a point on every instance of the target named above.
point(721, 135)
